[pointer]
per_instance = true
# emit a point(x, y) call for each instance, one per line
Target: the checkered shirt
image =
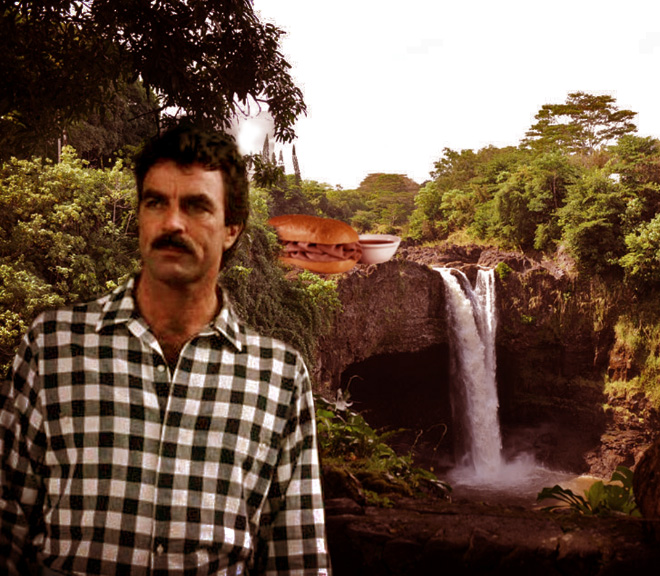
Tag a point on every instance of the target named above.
point(112, 464)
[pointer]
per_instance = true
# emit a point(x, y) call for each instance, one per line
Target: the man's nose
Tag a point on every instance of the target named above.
point(174, 220)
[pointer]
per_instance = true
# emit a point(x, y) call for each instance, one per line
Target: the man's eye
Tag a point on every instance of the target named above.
point(199, 206)
point(152, 202)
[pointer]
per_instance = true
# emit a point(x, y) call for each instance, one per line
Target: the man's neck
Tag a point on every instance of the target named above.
point(176, 314)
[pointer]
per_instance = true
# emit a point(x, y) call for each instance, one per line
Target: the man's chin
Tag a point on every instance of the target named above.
point(173, 275)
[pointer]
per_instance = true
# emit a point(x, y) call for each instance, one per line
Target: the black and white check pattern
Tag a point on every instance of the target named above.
point(111, 464)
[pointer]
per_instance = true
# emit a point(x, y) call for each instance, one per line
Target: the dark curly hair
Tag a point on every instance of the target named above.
point(186, 145)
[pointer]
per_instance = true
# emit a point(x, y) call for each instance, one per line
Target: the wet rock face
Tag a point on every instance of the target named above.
point(646, 485)
point(391, 308)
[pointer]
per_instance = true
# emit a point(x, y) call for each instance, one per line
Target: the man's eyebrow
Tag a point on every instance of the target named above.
point(152, 193)
point(199, 197)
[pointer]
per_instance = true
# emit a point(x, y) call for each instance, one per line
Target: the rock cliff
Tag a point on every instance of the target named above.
point(389, 346)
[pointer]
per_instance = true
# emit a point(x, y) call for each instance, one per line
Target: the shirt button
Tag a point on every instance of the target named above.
point(160, 549)
point(161, 368)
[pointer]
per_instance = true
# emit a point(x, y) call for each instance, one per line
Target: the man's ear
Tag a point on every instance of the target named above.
point(233, 231)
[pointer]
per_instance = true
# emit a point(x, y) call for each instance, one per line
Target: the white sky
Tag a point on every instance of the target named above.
point(390, 83)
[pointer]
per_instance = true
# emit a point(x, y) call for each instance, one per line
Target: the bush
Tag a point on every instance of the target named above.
point(68, 233)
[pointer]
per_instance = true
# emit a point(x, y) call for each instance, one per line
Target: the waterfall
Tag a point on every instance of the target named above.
point(472, 317)
point(481, 464)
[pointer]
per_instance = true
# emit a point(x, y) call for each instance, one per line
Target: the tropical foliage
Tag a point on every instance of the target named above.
point(351, 449)
point(67, 233)
point(581, 179)
point(600, 499)
point(382, 203)
point(583, 124)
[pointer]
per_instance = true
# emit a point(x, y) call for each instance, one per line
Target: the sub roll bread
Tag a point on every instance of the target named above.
point(322, 245)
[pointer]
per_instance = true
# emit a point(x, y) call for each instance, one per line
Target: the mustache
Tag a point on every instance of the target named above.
point(174, 240)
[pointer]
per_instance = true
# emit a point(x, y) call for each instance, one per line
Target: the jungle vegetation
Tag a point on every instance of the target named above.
point(101, 79)
point(581, 182)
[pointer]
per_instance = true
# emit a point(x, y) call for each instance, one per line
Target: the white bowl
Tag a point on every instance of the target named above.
point(377, 248)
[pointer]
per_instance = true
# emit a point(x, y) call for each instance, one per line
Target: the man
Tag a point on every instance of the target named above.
point(150, 432)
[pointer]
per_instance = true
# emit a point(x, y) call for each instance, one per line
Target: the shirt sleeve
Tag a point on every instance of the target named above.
point(293, 532)
point(21, 450)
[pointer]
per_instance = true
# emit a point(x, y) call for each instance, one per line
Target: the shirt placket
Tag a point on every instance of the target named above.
point(162, 380)
point(169, 461)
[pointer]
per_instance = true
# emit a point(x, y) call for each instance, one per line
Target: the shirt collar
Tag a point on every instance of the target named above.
point(119, 308)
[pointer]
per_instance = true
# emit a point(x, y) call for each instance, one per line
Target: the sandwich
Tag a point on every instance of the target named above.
point(318, 244)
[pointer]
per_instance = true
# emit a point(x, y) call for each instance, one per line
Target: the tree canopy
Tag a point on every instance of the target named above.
point(582, 181)
point(207, 59)
point(584, 123)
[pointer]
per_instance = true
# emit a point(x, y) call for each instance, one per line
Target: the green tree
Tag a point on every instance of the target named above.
point(364, 221)
point(296, 165)
point(636, 161)
point(462, 193)
point(284, 195)
point(204, 58)
point(551, 174)
point(455, 169)
point(527, 201)
point(583, 124)
point(265, 149)
point(427, 221)
point(324, 199)
point(345, 203)
point(592, 223)
point(390, 198)
point(514, 221)
point(266, 174)
point(116, 128)
point(641, 262)
point(376, 184)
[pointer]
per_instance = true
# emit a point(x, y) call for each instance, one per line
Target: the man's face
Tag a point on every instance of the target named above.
point(182, 224)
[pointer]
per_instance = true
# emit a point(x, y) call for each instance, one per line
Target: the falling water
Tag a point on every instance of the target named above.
point(473, 322)
point(481, 462)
